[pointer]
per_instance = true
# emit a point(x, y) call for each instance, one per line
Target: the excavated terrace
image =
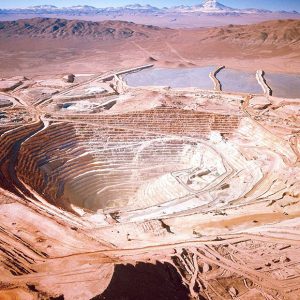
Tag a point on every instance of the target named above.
point(198, 187)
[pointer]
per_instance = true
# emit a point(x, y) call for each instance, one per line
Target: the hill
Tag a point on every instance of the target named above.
point(35, 45)
point(62, 28)
point(277, 33)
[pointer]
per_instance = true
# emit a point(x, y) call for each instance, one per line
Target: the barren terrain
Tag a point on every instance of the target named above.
point(112, 192)
point(109, 191)
point(91, 48)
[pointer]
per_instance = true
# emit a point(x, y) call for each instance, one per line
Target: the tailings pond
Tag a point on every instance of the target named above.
point(239, 81)
point(282, 85)
point(175, 78)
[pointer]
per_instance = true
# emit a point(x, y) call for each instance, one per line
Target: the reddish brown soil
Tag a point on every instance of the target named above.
point(114, 192)
point(272, 46)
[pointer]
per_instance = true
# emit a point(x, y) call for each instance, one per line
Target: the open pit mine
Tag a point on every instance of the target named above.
point(109, 191)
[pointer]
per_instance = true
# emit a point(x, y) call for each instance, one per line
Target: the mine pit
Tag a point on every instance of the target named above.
point(191, 193)
point(97, 168)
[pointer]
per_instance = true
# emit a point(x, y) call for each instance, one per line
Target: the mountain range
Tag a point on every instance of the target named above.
point(61, 28)
point(208, 7)
point(278, 33)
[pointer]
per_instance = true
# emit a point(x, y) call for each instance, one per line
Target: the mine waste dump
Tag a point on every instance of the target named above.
point(111, 190)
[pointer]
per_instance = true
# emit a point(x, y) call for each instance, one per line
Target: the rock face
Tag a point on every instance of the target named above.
point(148, 193)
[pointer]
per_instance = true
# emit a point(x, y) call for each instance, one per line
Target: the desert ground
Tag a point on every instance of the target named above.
point(272, 46)
point(109, 191)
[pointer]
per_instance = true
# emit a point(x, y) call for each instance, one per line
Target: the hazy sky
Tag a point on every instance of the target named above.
point(268, 4)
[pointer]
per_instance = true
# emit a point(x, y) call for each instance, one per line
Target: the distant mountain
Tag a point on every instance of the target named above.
point(80, 10)
point(61, 28)
point(282, 35)
point(214, 7)
point(275, 33)
point(37, 7)
point(206, 7)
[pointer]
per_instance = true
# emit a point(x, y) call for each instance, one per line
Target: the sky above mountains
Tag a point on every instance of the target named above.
point(266, 4)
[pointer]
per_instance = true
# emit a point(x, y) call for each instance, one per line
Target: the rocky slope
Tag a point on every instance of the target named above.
point(53, 28)
point(277, 33)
